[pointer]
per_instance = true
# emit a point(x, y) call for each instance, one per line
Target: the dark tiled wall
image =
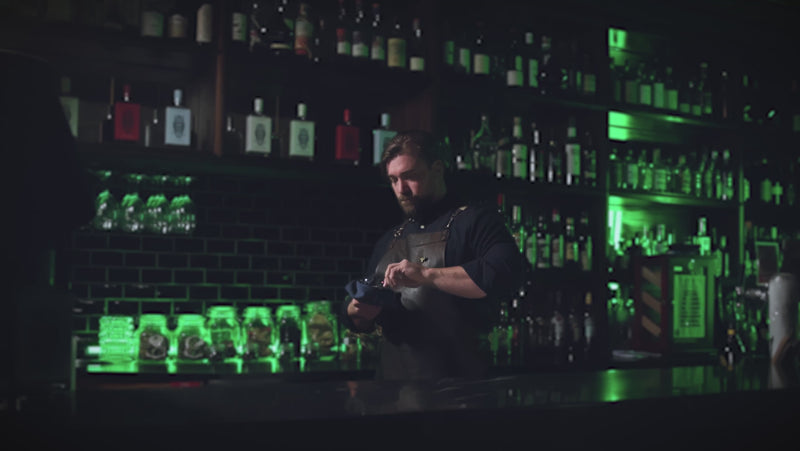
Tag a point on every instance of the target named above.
point(257, 242)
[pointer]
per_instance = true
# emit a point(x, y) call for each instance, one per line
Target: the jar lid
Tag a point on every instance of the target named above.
point(153, 319)
point(257, 312)
point(185, 319)
point(222, 311)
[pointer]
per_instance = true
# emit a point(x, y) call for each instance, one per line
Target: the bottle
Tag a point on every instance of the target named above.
point(537, 170)
point(616, 170)
point(588, 161)
point(377, 52)
point(661, 173)
point(588, 328)
point(481, 58)
point(448, 44)
point(547, 77)
point(501, 337)
point(730, 354)
point(571, 251)
point(543, 243)
point(518, 230)
point(301, 135)
point(519, 151)
point(380, 138)
point(303, 31)
point(463, 62)
point(631, 172)
point(514, 61)
point(484, 148)
point(258, 130)
point(319, 332)
point(531, 62)
point(530, 241)
point(280, 30)
point(344, 32)
point(233, 138)
point(177, 21)
point(589, 87)
point(290, 335)
point(555, 161)
point(106, 131)
point(728, 176)
point(324, 41)
point(360, 37)
point(557, 325)
point(585, 251)
point(659, 88)
point(116, 338)
point(503, 156)
point(239, 23)
point(178, 122)
point(348, 147)
point(416, 54)
point(257, 27)
point(645, 172)
point(204, 30)
point(671, 90)
point(127, 117)
point(154, 131)
point(70, 106)
point(396, 46)
point(647, 79)
point(706, 91)
point(572, 153)
point(556, 240)
point(630, 83)
point(152, 22)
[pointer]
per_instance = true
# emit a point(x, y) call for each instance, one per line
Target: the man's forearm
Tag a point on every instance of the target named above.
point(453, 280)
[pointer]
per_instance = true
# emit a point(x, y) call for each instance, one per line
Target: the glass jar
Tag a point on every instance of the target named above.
point(116, 339)
point(192, 338)
point(258, 333)
point(181, 215)
point(106, 211)
point(156, 214)
point(319, 331)
point(152, 338)
point(131, 213)
point(289, 332)
point(224, 332)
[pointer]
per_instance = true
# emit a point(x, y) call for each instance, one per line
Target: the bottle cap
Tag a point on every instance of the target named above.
point(126, 92)
point(301, 110)
point(258, 105)
point(385, 118)
point(177, 96)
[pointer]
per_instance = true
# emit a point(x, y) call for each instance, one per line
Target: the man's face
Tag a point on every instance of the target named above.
point(413, 182)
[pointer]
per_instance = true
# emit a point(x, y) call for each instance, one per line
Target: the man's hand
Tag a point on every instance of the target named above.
point(404, 274)
point(362, 314)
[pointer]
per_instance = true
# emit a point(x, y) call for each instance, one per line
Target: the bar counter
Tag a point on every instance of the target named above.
point(692, 406)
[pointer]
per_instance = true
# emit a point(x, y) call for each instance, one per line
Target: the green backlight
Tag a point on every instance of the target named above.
point(617, 38)
point(618, 134)
point(612, 386)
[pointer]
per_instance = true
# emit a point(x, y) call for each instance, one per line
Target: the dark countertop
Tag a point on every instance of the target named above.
point(648, 407)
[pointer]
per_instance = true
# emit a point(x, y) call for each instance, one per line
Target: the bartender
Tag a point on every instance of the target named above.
point(440, 267)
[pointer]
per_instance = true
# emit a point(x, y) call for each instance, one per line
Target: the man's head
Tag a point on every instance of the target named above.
point(414, 164)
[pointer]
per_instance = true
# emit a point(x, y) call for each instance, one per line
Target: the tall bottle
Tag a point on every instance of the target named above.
point(127, 118)
point(280, 30)
point(152, 19)
point(571, 247)
point(396, 46)
point(588, 161)
point(557, 240)
point(360, 36)
point(572, 154)
point(204, 26)
point(481, 54)
point(303, 31)
point(178, 122)
point(531, 62)
point(484, 147)
point(381, 137)
point(416, 54)
point(377, 51)
point(547, 77)
point(348, 147)
point(543, 242)
point(519, 151)
point(585, 250)
point(258, 130)
point(301, 135)
point(344, 32)
point(69, 104)
point(177, 21)
point(514, 60)
point(537, 170)
point(463, 44)
point(239, 23)
point(555, 161)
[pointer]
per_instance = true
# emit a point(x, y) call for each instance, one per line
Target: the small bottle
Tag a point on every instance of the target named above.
point(537, 171)
point(280, 28)
point(204, 29)
point(531, 61)
point(519, 151)
point(239, 23)
point(396, 46)
point(301, 135)
point(416, 54)
point(258, 130)
point(360, 38)
point(380, 138)
point(572, 154)
point(481, 60)
point(177, 22)
point(70, 106)
point(344, 32)
point(233, 137)
point(178, 123)
point(127, 118)
point(377, 51)
point(348, 147)
point(152, 20)
point(557, 240)
point(514, 62)
point(303, 31)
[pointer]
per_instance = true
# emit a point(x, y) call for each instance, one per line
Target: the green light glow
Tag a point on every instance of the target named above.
point(617, 119)
point(618, 134)
point(617, 38)
point(93, 350)
point(612, 386)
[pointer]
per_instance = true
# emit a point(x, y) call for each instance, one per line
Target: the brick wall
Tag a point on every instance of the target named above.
point(257, 242)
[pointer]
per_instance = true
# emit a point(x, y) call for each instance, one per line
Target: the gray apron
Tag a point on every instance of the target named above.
point(425, 337)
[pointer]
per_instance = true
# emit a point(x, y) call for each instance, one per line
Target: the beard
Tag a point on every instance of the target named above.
point(416, 207)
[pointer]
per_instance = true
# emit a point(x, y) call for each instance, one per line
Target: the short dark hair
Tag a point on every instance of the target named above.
point(424, 142)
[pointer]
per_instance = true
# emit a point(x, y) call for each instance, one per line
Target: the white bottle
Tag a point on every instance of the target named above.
point(301, 135)
point(380, 138)
point(178, 125)
point(258, 130)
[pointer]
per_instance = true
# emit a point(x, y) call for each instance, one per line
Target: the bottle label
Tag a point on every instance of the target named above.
point(533, 73)
point(449, 52)
point(396, 52)
point(347, 143)
point(589, 84)
point(465, 59)
point(178, 126)
point(519, 155)
point(697, 109)
point(513, 77)
point(645, 94)
point(152, 24)
point(633, 175)
point(126, 121)
point(503, 163)
point(416, 64)
point(378, 50)
point(672, 99)
point(177, 26)
point(573, 153)
point(543, 246)
point(301, 139)
point(707, 106)
point(557, 253)
point(342, 42)
point(360, 47)
point(204, 27)
point(238, 27)
point(258, 134)
point(660, 180)
point(481, 63)
point(659, 100)
point(303, 32)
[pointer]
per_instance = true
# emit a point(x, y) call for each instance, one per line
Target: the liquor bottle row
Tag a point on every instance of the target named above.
point(556, 327)
point(545, 63)
point(547, 241)
point(542, 156)
point(223, 335)
point(707, 173)
point(772, 182)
